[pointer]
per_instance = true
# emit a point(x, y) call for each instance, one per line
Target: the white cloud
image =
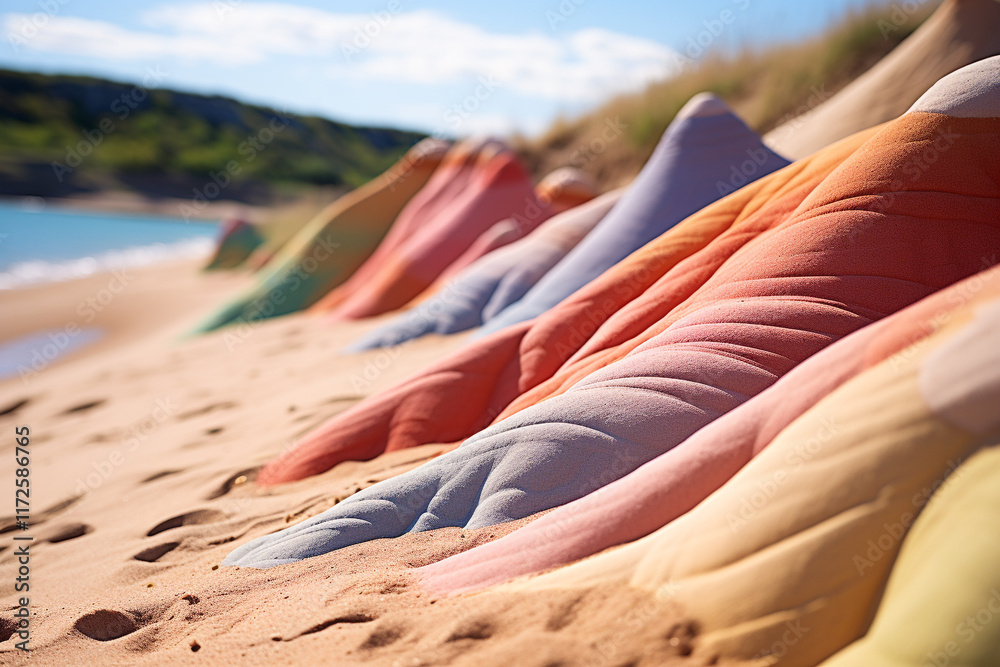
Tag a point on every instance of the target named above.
point(106, 41)
point(412, 47)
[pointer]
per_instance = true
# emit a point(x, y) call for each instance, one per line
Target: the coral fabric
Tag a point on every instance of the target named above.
point(455, 172)
point(498, 187)
point(560, 191)
point(912, 210)
point(706, 152)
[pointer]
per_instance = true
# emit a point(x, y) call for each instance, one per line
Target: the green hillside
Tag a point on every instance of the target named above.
point(65, 135)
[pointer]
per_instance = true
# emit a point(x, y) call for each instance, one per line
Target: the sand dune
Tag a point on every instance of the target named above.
point(959, 33)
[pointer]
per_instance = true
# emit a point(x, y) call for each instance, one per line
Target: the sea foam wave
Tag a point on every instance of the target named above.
point(34, 272)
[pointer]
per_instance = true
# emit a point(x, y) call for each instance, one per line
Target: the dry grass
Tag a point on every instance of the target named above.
point(765, 87)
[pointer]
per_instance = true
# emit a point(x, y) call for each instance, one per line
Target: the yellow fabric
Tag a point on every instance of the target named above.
point(787, 561)
point(942, 603)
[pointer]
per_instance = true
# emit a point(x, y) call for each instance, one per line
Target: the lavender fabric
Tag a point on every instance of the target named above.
point(706, 153)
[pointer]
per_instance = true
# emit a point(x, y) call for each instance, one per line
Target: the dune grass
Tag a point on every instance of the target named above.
point(764, 86)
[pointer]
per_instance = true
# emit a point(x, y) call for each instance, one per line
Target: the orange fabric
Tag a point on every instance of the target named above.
point(453, 174)
point(465, 392)
point(873, 201)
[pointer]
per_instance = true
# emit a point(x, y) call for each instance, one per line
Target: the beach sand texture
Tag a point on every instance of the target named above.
point(139, 448)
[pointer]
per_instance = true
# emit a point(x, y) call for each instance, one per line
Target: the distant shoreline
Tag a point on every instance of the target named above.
point(127, 202)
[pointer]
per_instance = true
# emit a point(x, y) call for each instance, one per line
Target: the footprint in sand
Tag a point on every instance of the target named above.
point(14, 407)
point(160, 475)
point(681, 637)
point(7, 629)
point(564, 615)
point(68, 532)
point(350, 618)
point(282, 349)
point(105, 625)
point(204, 410)
point(84, 407)
point(474, 629)
point(52, 510)
point(196, 517)
point(9, 524)
point(155, 553)
point(200, 443)
point(382, 636)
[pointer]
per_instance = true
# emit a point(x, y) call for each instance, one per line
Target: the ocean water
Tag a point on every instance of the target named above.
point(41, 243)
point(29, 355)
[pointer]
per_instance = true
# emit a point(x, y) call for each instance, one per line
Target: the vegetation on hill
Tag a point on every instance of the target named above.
point(765, 87)
point(61, 135)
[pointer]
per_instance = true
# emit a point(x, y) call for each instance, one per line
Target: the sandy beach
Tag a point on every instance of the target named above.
point(141, 449)
point(664, 337)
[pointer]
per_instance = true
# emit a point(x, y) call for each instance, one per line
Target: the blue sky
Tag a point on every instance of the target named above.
point(456, 67)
